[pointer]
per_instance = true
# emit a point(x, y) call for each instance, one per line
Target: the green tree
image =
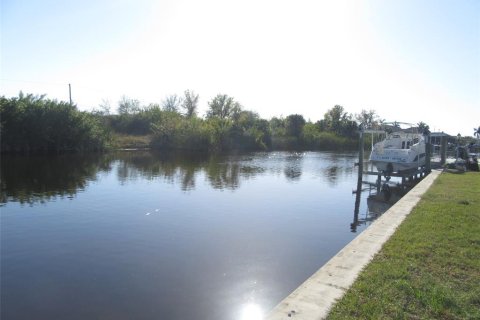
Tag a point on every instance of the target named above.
point(166, 129)
point(338, 121)
point(423, 127)
point(249, 132)
point(322, 125)
point(190, 103)
point(294, 124)
point(223, 107)
point(277, 126)
point(218, 131)
point(172, 103)
point(335, 118)
point(369, 118)
point(128, 106)
point(105, 107)
point(35, 124)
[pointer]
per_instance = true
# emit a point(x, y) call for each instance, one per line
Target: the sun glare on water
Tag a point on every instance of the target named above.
point(251, 311)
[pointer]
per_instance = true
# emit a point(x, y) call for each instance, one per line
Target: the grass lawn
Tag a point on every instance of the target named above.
point(430, 267)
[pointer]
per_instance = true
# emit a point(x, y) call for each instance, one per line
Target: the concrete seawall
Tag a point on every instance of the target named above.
point(316, 296)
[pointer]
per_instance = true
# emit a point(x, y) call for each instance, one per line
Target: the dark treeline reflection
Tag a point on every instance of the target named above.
point(337, 167)
point(41, 178)
point(222, 172)
point(150, 166)
point(293, 168)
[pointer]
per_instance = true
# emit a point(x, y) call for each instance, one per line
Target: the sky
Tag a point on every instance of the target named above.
point(409, 60)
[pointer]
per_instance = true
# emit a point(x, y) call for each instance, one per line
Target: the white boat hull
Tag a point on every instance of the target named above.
point(397, 166)
point(399, 153)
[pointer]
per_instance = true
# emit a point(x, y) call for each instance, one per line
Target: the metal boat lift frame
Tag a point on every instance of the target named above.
point(408, 176)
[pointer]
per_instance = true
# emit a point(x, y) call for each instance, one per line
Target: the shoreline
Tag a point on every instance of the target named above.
point(316, 296)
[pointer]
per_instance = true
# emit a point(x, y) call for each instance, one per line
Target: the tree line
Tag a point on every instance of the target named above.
point(31, 123)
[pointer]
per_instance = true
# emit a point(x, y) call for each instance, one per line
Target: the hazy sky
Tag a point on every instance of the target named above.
point(410, 60)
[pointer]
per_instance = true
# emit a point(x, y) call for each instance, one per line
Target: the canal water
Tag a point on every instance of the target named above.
point(140, 235)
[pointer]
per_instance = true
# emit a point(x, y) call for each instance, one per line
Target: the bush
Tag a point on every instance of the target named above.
point(34, 124)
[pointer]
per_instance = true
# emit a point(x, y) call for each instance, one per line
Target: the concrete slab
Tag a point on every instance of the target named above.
point(316, 296)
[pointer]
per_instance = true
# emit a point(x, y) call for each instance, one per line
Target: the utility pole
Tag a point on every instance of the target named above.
point(70, 93)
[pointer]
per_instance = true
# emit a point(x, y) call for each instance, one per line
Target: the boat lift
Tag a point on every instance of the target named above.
point(409, 177)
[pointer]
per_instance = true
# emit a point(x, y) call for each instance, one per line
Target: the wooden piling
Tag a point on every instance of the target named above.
point(443, 150)
point(428, 154)
point(360, 159)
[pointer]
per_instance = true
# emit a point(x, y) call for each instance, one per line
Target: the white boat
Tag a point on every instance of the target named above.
point(400, 151)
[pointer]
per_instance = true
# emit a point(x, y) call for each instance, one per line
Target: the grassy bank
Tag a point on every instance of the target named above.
point(325, 141)
point(430, 268)
point(125, 141)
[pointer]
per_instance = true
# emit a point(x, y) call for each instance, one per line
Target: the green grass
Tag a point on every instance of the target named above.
point(430, 267)
point(125, 141)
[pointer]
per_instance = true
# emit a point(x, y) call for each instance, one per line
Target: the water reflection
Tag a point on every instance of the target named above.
point(293, 167)
point(149, 235)
point(169, 166)
point(39, 179)
point(223, 175)
point(331, 174)
point(377, 204)
point(338, 167)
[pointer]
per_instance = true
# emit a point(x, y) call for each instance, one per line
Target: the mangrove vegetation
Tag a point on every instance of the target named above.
point(33, 124)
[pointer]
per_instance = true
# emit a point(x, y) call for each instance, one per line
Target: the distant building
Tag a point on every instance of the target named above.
point(435, 138)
